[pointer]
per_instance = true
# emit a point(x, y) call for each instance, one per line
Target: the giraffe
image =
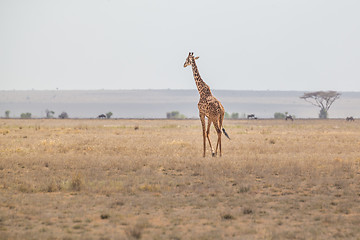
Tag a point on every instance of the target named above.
point(208, 106)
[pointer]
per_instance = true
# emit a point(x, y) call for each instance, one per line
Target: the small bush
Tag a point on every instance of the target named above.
point(135, 232)
point(53, 187)
point(235, 115)
point(244, 189)
point(76, 182)
point(279, 115)
point(175, 115)
point(247, 211)
point(63, 115)
point(227, 216)
point(25, 115)
point(7, 114)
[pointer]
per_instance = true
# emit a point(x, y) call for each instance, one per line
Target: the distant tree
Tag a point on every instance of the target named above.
point(175, 115)
point(279, 115)
point(49, 113)
point(63, 115)
point(7, 114)
point(108, 115)
point(25, 115)
point(227, 115)
point(322, 99)
point(235, 115)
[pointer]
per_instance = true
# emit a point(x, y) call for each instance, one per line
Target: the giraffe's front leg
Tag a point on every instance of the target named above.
point(202, 118)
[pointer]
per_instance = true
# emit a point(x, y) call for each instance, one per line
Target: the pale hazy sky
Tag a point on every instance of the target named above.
point(244, 45)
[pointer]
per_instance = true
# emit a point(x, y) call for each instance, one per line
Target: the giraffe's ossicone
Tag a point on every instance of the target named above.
point(208, 106)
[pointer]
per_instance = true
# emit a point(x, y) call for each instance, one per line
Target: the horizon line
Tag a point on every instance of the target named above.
point(170, 89)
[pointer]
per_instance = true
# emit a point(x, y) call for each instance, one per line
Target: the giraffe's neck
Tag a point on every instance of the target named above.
point(203, 88)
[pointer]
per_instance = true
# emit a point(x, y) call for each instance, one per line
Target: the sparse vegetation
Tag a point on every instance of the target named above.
point(76, 182)
point(63, 115)
point(235, 115)
point(25, 115)
point(7, 114)
point(279, 115)
point(77, 179)
point(175, 115)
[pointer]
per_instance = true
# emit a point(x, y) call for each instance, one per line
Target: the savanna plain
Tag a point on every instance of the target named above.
point(147, 179)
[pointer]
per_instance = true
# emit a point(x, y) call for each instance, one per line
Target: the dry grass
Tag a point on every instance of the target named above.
point(102, 179)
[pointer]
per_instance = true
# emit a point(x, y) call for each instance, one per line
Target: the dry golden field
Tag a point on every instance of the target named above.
point(102, 179)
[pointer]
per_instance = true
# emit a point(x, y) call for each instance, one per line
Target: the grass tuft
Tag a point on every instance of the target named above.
point(227, 216)
point(104, 216)
point(247, 211)
point(76, 182)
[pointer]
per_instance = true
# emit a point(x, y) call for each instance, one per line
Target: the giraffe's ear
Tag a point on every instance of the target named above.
point(196, 58)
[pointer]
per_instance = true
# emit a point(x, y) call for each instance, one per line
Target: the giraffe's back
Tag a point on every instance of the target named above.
point(211, 107)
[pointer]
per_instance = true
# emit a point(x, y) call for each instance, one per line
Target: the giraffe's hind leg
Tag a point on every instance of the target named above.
point(218, 131)
point(208, 137)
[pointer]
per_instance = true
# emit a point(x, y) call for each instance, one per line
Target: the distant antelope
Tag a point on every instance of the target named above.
point(251, 116)
point(102, 116)
point(289, 117)
point(350, 119)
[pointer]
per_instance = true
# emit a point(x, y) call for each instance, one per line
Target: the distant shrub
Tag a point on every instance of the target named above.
point(279, 115)
point(63, 115)
point(7, 114)
point(175, 115)
point(25, 115)
point(235, 115)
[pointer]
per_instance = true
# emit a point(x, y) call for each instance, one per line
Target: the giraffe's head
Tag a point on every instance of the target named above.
point(190, 59)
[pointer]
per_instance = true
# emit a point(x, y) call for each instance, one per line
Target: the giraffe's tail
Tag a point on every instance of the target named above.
point(223, 129)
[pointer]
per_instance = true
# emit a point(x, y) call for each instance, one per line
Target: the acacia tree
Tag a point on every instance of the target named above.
point(49, 113)
point(108, 115)
point(322, 99)
point(7, 114)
